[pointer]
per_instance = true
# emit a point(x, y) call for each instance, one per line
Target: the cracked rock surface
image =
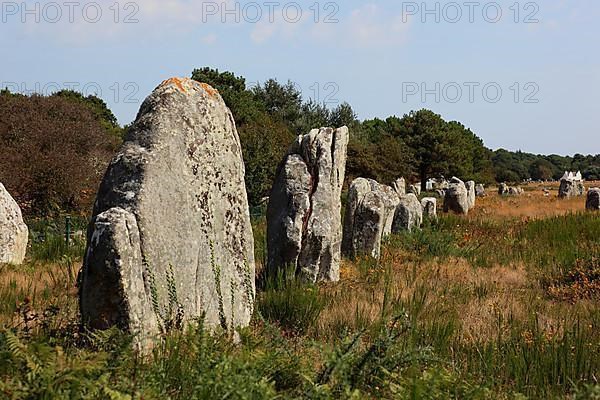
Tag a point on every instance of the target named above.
point(304, 228)
point(170, 239)
point(369, 217)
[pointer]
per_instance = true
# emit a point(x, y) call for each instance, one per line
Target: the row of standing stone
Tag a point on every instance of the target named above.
point(170, 238)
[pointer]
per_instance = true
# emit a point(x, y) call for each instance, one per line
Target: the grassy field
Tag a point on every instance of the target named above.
point(502, 304)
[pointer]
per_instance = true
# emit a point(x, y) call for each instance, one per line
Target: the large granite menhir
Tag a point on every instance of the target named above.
point(13, 231)
point(304, 228)
point(170, 239)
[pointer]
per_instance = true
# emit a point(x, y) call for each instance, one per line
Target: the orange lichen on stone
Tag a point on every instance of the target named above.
point(209, 89)
point(176, 81)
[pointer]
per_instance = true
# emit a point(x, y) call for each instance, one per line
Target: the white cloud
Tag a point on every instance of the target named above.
point(370, 26)
point(82, 23)
point(367, 26)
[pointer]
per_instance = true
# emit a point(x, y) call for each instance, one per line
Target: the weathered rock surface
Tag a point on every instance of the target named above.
point(369, 221)
point(440, 193)
point(13, 231)
point(408, 215)
point(171, 220)
point(304, 227)
point(399, 186)
point(457, 198)
point(571, 188)
point(593, 200)
point(470, 185)
point(429, 205)
point(479, 190)
point(369, 216)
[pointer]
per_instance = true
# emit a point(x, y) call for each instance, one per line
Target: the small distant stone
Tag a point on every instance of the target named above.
point(429, 205)
point(408, 215)
point(480, 190)
point(593, 200)
point(457, 197)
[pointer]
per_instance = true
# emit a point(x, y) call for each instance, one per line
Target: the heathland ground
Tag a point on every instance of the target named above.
point(502, 304)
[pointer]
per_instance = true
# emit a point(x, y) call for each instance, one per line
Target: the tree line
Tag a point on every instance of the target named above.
point(55, 148)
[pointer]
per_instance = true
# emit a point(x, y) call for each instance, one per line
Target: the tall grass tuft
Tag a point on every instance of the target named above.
point(290, 303)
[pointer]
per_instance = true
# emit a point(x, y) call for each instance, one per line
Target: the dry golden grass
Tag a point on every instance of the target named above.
point(33, 288)
point(534, 203)
point(480, 298)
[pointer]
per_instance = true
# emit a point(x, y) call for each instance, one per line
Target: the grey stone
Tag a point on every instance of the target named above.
point(480, 190)
point(593, 200)
point(368, 226)
point(304, 228)
point(13, 231)
point(399, 186)
point(456, 199)
point(571, 188)
point(414, 189)
point(365, 225)
point(470, 185)
point(429, 205)
point(170, 239)
point(503, 189)
point(408, 215)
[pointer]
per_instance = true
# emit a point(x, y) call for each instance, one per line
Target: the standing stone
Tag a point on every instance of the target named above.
point(356, 193)
point(514, 191)
point(304, 228)
point(13, 231)
point(415, 189)
point(571, 185)
point(366, 224)
point(480, 190)
point(593, 200)
point(170, 239)
point(429, 205)
point(400, 186)
point(503, 189)
point(408, 215)
point(456, 199)
point(566, 189)
point(470, 185)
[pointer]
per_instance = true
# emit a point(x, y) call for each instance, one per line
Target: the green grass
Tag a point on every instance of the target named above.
point(550, 246)
point(290, 303)
point(404, 341)
point(48, 242)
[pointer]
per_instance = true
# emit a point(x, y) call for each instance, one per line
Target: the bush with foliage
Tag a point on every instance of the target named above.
point(55, 150)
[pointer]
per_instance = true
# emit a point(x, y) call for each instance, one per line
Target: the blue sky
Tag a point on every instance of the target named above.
point(383, 57)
